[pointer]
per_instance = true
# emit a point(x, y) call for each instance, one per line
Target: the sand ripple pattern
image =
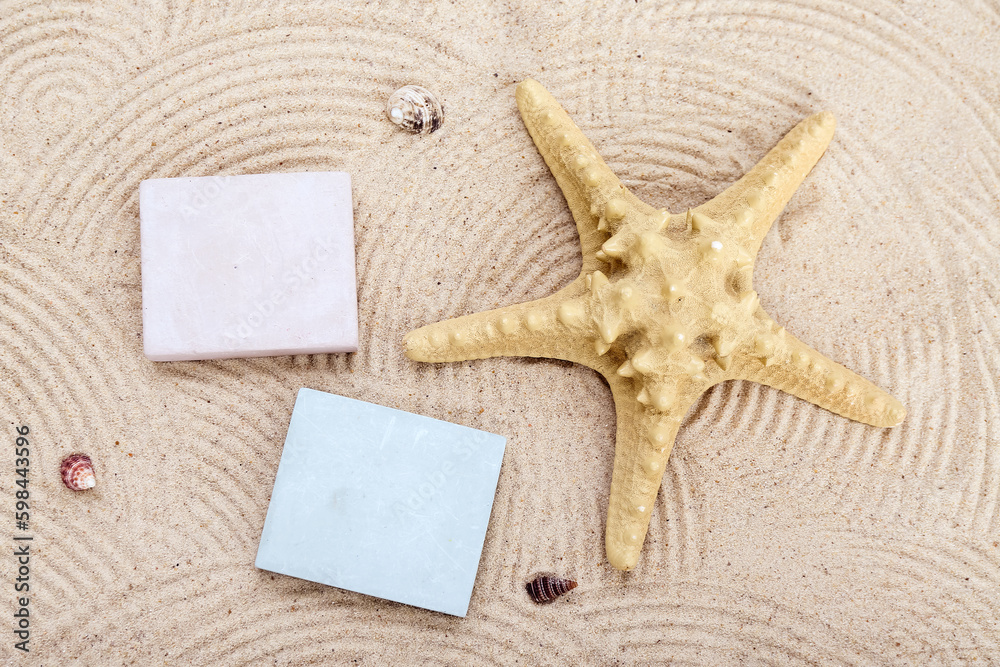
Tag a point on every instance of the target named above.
point(782, 535)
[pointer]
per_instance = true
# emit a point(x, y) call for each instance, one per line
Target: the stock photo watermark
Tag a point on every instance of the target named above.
point(433, 483)
point(204, 196)
point(294, 279)
point(22, 541)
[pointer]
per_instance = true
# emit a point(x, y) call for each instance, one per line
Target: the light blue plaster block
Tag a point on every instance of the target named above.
point(381, 502)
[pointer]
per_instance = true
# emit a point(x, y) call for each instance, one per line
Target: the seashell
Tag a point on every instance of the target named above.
point(545, 588)
point(78, 472)
point(415, 109)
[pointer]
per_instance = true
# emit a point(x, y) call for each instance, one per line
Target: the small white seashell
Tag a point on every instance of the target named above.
point(415, 109)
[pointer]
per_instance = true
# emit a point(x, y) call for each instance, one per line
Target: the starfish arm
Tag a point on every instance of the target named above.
point(784, 362)
point(521, 330)
point(755, 201)
point(642, 447)
point(596, 197)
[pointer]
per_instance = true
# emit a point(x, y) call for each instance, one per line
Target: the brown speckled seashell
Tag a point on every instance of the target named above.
point(415, 109)
point(78, 472)
point(545, 588)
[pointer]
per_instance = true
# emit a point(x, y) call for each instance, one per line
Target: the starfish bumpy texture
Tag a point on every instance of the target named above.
point(663, 307)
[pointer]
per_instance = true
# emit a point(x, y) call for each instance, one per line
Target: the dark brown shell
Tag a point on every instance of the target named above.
point(545, 588)
point(78, 472)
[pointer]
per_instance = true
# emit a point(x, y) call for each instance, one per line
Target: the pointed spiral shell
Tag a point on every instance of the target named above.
point(78, 472)
point(415, 109)
point(545, 588)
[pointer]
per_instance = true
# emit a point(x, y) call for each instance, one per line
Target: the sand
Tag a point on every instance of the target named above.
point(783, 534)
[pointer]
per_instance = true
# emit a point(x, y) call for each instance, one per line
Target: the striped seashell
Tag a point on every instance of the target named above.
point(415, 109)
point(545, 588)
point(78, 472)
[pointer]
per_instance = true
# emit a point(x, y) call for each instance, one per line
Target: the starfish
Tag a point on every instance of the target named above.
point(663, 308)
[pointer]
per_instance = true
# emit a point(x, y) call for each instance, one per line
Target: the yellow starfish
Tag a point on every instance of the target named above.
point(663, 307)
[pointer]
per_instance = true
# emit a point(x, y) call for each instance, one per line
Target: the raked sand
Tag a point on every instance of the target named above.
point(783, 534)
